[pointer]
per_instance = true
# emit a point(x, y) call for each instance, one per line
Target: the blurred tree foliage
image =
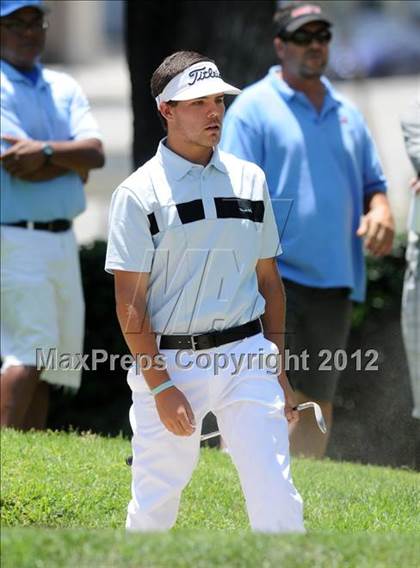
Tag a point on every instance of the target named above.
point(237, 34)
point(102, 403)
point(385, 280)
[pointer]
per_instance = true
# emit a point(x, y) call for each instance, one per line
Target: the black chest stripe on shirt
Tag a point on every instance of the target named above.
point(234, 207)
point(153, 224)
point(191, 211)
point(226, 208)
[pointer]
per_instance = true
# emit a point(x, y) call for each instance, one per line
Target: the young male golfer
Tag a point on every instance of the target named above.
point(192, 246)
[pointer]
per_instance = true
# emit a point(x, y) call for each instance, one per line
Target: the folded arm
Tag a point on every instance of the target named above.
point(25, 158)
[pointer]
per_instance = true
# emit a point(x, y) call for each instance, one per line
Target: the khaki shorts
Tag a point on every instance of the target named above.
point(42, 304)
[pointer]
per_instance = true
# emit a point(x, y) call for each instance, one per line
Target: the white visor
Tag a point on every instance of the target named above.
point(199, 80)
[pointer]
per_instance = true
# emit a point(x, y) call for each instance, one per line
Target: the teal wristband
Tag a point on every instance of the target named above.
point(160, 388)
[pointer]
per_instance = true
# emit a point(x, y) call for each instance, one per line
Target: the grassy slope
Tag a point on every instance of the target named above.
point(30, 548)
point(61, 481)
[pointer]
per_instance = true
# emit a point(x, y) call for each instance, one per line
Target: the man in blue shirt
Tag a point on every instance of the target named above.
point(328, 193)
point(49, 142)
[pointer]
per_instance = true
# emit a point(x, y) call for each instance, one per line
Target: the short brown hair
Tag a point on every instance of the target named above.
point(170, 67)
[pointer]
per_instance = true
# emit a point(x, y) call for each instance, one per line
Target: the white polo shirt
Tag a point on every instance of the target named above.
point(199, 231)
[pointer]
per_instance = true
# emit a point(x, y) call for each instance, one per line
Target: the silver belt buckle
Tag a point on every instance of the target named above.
point(30, 225)
point(193, 343)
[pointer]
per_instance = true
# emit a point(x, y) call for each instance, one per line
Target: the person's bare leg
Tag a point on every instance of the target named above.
point(18, 385)
point(37, 413)
point(306, 439)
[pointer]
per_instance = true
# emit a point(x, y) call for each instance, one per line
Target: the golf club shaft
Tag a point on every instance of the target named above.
point(299, 408)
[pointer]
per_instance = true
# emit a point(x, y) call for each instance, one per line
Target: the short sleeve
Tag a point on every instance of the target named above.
point(270, 242)
point(130, 244)
point(82, 123)
point(10, 123)
point(373, 175)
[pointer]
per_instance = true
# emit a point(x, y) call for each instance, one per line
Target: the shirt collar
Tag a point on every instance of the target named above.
point(279, 84)
point(288, 93)
point(178, 167)
point(216, 161)
point(14, 75)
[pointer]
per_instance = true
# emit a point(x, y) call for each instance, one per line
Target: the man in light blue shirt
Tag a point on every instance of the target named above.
point(49, 142)
point(328, 192)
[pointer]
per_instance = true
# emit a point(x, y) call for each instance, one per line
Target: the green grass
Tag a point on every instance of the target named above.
point(356, 515)
point(29, 548)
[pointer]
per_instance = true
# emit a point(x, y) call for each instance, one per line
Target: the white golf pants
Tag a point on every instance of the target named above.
point(249, 406)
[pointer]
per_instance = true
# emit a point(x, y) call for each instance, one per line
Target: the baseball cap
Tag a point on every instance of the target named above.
point(9, 6)
point(198, 80)
point(293, 17)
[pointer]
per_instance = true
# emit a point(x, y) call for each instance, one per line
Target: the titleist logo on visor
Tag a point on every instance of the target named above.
point(202, 73)
point(199, 80)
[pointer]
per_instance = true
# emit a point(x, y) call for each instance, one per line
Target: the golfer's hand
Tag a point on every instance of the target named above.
point(290, 402)
point(377, 228)
point(175, 412)
point(23, 157)
point(415, 185)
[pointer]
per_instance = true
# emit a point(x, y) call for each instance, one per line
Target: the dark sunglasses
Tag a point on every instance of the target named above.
point(302, 37)
point(17, 26)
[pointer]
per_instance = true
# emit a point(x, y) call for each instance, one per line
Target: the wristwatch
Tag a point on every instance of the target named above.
point(48, 151)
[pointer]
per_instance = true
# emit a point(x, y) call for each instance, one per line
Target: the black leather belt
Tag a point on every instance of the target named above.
point(210, 340)
point(55, 226)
